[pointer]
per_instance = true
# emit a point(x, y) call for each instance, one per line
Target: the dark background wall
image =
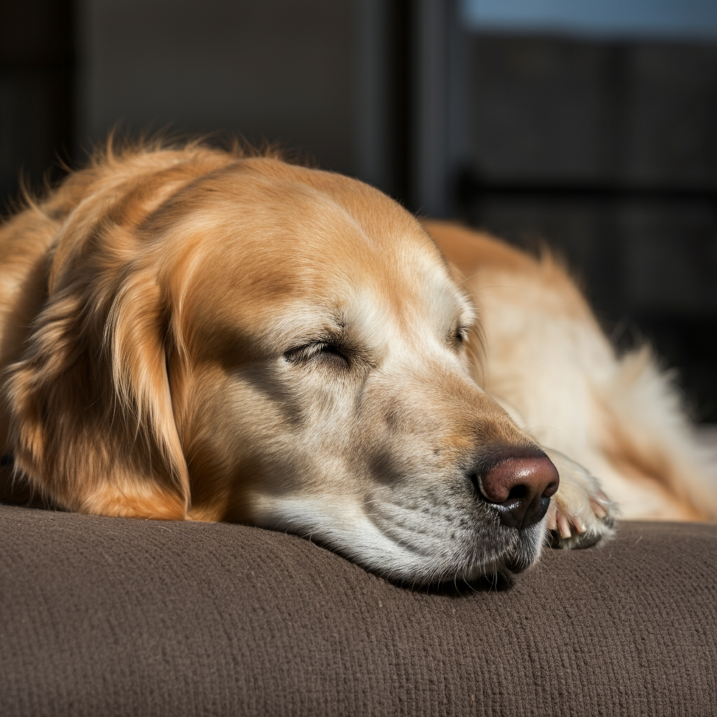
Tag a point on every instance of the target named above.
point(268, 70)
point(605, 148)
point(37, 89)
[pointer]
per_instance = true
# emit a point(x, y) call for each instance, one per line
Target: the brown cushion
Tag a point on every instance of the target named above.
point(105, 616)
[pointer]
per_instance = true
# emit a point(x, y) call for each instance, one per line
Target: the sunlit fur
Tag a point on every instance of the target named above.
point(195, 334)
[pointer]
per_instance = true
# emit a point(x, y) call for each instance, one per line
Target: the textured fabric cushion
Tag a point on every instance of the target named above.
point(105, 616)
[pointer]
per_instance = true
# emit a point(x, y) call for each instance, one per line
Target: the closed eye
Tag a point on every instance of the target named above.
point(318, 351)
point(460, 336)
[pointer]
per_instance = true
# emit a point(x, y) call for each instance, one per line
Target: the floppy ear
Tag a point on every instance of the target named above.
point(91, 410)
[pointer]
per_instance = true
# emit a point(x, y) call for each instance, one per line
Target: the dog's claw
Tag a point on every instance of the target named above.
point(598, 508)
point(563, 526)
point(582, 514)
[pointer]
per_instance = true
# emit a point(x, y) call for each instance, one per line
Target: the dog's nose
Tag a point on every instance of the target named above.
point(520, 488)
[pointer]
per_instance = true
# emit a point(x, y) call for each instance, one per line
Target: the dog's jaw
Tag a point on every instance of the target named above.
point(417, 552)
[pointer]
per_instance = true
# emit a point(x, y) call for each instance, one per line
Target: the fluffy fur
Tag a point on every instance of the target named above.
point(190, 333)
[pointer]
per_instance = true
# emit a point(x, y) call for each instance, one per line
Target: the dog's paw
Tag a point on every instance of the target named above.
point(581, 515)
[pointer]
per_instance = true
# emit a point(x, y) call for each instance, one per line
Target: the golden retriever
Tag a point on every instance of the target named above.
point(189, 333)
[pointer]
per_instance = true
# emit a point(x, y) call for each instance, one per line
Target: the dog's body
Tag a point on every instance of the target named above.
point(194, 334)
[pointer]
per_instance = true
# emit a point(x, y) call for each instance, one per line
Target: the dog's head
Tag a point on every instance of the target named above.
point(281, 346)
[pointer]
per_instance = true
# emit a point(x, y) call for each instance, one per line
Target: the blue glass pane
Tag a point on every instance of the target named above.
point(629, 19)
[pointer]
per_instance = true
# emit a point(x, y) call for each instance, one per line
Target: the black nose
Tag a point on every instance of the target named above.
point(519, 483)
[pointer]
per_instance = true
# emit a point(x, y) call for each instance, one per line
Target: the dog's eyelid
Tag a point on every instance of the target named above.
point(460, 334)
point(310, 349)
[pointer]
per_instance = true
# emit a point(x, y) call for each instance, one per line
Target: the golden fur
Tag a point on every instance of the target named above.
point(190, 333)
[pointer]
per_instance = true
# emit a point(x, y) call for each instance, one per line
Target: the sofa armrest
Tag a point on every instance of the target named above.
point(109, 616)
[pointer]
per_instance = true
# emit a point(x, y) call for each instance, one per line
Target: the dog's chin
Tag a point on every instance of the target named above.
point(486, 551)
point(473, 565)
point(437, 571)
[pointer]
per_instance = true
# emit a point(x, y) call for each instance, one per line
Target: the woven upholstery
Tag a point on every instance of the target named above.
point(107, 616)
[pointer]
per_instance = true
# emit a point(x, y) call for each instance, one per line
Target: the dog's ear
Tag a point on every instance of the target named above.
point(91, 410)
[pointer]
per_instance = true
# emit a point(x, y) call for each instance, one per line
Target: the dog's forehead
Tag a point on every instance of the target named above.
point(288, 256)
point(316, 233)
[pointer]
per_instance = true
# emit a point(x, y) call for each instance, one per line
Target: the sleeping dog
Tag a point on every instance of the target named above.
point(195, 334)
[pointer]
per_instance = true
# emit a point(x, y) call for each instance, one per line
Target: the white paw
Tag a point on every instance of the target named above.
point(580, 514)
